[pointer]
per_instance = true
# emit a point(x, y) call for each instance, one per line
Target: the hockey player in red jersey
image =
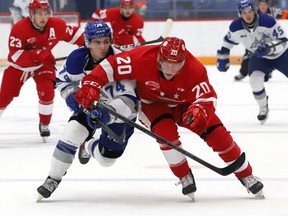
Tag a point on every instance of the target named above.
point(126, 24)
point(30, 43)
point(174, 90)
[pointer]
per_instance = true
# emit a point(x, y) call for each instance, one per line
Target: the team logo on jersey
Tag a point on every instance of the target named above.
point(256, 42)
point(152, 84)
point(31, 40)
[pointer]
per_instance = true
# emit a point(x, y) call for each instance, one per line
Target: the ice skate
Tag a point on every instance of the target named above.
point(83, 155)
point(188, 185)
point(47, 188)
point(239, 77)
point(253, 185)
point(44, 132)
point(263, 114)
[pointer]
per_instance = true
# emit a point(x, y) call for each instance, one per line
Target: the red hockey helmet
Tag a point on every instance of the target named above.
point(126, 2)
point(172, 50)
point(39, 5)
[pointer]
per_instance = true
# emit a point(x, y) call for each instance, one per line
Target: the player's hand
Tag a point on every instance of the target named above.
point(88, 95)
point(223, 60)
point(43, 56)
point(72, 103)
point(97, 115)
point(262, 50)
point(196, 117)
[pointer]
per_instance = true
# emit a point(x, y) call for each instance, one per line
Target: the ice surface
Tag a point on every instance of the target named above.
point(140, 183)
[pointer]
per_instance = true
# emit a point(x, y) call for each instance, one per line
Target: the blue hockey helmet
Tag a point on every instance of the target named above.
point(96, 29)
point(245, 4)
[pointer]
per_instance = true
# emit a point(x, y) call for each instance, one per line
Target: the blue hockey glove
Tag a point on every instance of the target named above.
point(262, 50)
point(97, 115)
point(72, 103)
point(223, 60)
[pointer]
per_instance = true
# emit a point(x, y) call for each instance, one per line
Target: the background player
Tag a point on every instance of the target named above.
point(126, 24)
point(263, 7)
point(30, 43)
point(258, 33)
point(19, 10)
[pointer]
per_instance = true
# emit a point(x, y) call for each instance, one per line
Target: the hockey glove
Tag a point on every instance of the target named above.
point(43, 56)
point(97, 115)
point(262, 50)
point(223, 60)
point(196, 117)
point(88, 95)
point(72, 103)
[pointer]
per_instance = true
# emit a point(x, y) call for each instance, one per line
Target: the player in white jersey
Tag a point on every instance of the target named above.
point(263, 36)
point(119, 96)
point(262, 7)
point(19, 10)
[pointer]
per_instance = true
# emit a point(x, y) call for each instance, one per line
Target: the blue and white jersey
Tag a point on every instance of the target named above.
point(266, 30)
point(120, 95)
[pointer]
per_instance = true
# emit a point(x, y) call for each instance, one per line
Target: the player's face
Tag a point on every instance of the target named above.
point(126, 10)
point(169, 70)
point(263, 7)
point(248, 15)
point(99, 47)
point(40, 18)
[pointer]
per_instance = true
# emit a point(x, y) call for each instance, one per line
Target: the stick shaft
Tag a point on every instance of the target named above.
point(222, 171)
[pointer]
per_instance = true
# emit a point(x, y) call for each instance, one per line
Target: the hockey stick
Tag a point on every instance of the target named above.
point(165, 32)
point(61, 58)
point(222, 171)
point(252, 54)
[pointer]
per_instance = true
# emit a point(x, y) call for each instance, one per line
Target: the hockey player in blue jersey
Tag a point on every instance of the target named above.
point(261, 35)
point(119, 96)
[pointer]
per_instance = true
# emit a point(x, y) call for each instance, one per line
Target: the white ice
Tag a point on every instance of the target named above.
point(140, 183)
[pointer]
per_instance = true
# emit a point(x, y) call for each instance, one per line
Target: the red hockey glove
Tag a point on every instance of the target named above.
point(88, 95)
point(196, 117)
point(43, 56)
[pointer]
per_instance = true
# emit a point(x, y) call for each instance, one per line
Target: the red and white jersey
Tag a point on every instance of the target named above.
point(127, 31)
point(24, 38)
point(189, 85)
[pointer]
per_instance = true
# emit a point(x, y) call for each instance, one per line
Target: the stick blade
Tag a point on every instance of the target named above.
point(233, 166)
point(167, 28)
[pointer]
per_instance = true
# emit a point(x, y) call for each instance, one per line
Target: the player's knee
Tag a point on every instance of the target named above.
point(74, 133)
point(108, 153)
point(257, 81)
point(46, 90)
point(167, 129)
point(222, 142)
point(219, 139)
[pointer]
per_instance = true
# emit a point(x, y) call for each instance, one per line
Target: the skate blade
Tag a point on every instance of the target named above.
point(191, 195)
point(39, 198)
point(44, 139)
point(260, 195)
point(263, 121)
